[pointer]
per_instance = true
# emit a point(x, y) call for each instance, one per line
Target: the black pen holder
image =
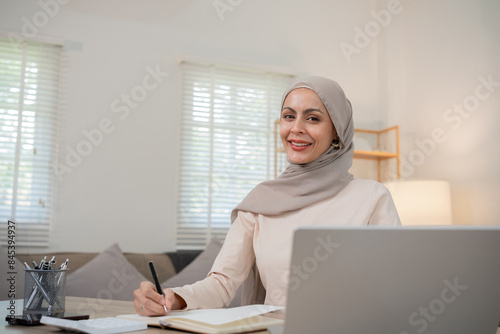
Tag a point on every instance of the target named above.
point(44, 291)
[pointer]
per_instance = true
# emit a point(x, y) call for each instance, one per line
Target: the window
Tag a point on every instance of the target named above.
point(29, 89)
point(227, 145)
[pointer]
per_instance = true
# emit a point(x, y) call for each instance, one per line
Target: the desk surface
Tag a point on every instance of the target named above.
point(96, 308)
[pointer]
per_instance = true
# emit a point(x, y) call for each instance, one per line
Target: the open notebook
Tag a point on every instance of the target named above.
point(217, 321)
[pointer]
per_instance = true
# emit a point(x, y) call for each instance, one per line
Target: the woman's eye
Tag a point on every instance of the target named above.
point(314, 118)
point(288, 116)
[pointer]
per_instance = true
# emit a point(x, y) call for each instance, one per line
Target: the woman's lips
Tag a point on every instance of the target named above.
point(299, 145)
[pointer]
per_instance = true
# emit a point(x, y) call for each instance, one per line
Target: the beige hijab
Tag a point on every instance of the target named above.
point(302, 185)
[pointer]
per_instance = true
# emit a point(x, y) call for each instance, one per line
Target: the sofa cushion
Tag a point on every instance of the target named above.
point(163, 264)
point(182, 258)
point(108, 276)
point(198, 269)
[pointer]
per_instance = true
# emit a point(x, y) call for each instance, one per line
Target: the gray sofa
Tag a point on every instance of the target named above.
point(113, 274)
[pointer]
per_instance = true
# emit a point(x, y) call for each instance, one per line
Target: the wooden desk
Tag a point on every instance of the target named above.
point(96, 308)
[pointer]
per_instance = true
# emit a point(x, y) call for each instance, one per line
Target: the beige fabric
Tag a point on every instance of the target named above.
point(267, 241)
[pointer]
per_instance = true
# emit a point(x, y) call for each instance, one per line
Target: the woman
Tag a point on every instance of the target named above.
point(316, 129)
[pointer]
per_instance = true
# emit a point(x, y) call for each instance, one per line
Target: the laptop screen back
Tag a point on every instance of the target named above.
point(397, 280)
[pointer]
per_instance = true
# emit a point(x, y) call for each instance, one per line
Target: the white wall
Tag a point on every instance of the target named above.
point(124, 190)
point(437, 52)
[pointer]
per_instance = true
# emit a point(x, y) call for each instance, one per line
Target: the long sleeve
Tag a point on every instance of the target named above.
point(383, 209)
point(230, 269)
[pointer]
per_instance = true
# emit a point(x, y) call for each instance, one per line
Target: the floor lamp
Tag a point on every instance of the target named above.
point(422, 202)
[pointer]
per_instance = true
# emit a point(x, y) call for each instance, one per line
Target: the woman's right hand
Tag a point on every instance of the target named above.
point(148, 302)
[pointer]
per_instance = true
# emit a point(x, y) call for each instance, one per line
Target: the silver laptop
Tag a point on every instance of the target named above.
point(394, 280)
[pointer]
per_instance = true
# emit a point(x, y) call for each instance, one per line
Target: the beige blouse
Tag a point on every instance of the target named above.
point(267, 241)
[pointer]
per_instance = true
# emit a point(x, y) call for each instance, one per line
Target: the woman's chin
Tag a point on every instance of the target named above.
point(299, 160)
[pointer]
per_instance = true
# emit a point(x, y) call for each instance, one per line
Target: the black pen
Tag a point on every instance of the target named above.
point(157, 283)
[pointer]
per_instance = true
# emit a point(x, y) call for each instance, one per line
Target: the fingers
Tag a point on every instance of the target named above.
point(169, 299)
point(149, 291)
point(173, 301)
point(147, 301)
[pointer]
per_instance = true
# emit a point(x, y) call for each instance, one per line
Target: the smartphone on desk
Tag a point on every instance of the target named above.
point(34, 319)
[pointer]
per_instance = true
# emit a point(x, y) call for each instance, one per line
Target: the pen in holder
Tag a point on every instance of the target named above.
point(44, 290)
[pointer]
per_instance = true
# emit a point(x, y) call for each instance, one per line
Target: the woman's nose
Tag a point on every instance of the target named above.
point(298, 127)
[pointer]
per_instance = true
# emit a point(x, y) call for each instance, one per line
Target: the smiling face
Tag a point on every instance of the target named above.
point(306, 129)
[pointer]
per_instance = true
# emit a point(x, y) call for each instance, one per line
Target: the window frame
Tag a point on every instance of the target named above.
point(188, 235)
point(31, 221)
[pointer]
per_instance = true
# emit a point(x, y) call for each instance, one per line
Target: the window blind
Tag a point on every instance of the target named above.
point(29, 100)
point(226, 145)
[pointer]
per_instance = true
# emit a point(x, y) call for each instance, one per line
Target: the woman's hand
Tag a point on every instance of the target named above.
point(148, 302)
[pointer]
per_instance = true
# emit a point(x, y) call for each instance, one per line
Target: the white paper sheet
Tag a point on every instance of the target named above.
point(215, 316)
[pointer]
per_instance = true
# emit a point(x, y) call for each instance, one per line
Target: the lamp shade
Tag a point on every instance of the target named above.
point(422, 202)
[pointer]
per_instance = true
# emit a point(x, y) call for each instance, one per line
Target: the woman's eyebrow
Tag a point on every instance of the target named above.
point(307, 111)
point(288, 108)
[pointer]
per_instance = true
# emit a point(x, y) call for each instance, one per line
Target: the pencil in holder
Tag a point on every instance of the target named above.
point(44, 291)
